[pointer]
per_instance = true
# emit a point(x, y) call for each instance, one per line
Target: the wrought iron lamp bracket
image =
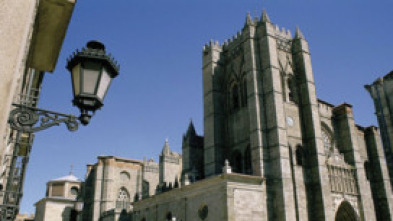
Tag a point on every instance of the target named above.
point(30, 119)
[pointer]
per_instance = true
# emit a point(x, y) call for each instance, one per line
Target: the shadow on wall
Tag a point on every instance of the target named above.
point(69, 214)
point(124, 216)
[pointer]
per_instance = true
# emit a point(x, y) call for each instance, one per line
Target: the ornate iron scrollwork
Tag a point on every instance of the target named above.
point(30, 119)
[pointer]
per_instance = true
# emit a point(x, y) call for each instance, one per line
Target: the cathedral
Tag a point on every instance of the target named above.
point(270, 150)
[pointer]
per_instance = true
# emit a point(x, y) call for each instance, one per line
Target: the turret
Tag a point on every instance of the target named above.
point(192, 153)
point(170, 165)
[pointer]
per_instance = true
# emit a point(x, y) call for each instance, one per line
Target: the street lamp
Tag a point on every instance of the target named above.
point(92, 71)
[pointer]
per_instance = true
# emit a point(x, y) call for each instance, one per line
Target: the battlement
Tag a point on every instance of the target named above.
point(211, 45)
point(283, 33)
point(257, 23)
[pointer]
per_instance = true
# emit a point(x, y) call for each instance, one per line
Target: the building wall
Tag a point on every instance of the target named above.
point(23, 25)
point(111, 176)
point(192, 154)
point(170, 166)
point(259, 91)
point(227, 202)
point(17, 20)
point(53, 210)
point(150, 178)
point(381, 92)
point(108, 177)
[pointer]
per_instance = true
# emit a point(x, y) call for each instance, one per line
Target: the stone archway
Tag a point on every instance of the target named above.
point(346, 212)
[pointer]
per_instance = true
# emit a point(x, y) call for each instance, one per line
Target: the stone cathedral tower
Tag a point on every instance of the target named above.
point(262, 113)
point(271, 150)
point(381, 92)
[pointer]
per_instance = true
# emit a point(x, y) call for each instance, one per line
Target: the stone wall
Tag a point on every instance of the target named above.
point(212, 199)
point(16, 22)
point(52, 209)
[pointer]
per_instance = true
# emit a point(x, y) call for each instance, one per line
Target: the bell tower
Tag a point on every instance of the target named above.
point(261, 113)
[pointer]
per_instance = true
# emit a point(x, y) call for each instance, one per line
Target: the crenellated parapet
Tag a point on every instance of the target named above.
point(253, 28)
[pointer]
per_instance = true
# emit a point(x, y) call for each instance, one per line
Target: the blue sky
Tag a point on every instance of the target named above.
point(159, 46)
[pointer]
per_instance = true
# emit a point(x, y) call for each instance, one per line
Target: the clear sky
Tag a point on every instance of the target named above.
point(159, 89)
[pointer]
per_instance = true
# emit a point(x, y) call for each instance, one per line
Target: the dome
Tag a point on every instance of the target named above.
point(68, 178)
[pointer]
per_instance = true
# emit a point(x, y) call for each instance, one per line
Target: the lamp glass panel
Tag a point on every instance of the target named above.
point(76, 79)
point(91, 72)
point(104, 84)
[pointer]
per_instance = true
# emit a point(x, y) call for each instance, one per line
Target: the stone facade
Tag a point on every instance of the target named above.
point(192, 154)
point(381, 92)
point(32, 34)
point(271, 149)
point(170, 166)
point(60, 202)
point(223, 197)
point(113, 183)
point(261, 113)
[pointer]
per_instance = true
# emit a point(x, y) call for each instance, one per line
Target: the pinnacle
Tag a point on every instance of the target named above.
point(298, 33)
point(265, 17)
point(191, 128)
point(249, 19)
point(165, 149)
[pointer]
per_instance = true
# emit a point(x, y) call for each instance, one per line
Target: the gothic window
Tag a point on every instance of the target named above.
point(234, 97)
point(346, 212)
point(291, 89)
point(284, 91)
point(327, 141)
point(299, 155)
point(124, 176)
point(247, 161)
point(244, 92)
point(342, 179)
point(123, 199)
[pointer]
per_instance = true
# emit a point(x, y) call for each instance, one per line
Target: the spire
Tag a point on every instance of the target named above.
point(72, 168)
point(265, 17)
point(298, 33)
point(165, 149)
point(191, 129)
point(249, 19)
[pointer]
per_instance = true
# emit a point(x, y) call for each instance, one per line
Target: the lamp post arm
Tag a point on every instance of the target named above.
point(30, 119)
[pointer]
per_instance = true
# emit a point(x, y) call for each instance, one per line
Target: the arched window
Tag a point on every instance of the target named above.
point(123, 199)
point(74, 191)
point(327, 140)
point(234, 97)
point(291, 89)
point(346, 212)
point(244, 92)
point(284, 91)
point(124, 176)
point(247, 161)
point(299, 155)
